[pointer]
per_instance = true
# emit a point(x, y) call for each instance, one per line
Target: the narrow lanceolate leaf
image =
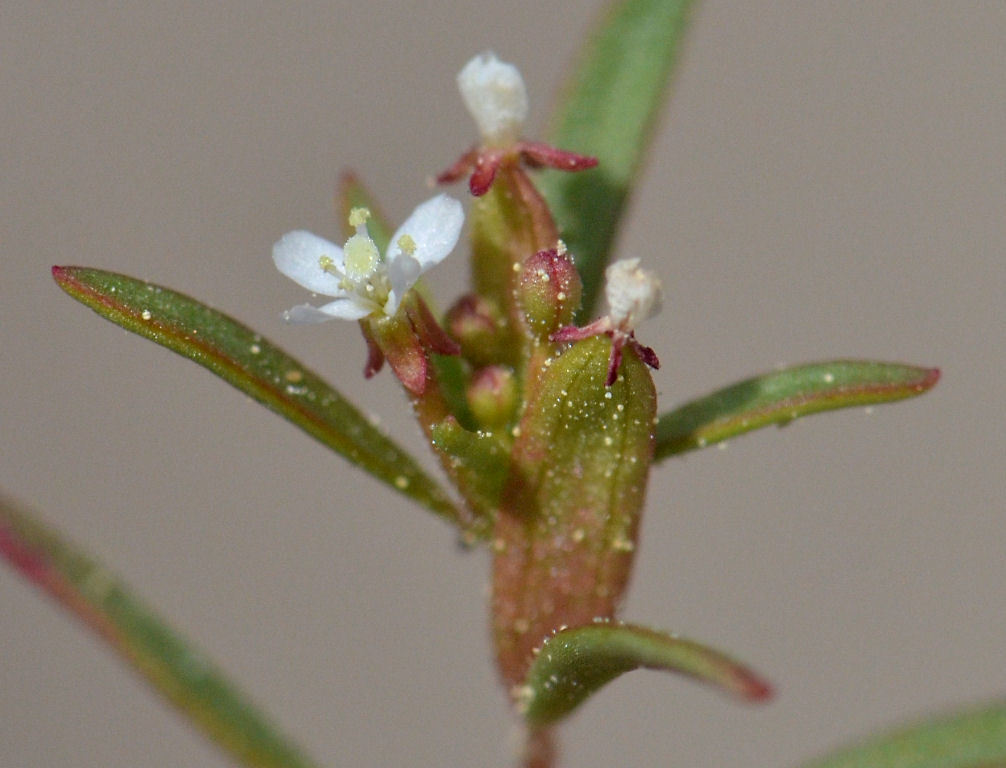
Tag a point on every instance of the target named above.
point(261, 370)
point(971, 739)
point(781, 396)
point(608, 109)
point(177, 671)
point(574, 663)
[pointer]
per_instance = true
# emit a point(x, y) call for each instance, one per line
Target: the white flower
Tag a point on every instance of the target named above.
point(633, 294)
point(494, 93)
point(361, 282)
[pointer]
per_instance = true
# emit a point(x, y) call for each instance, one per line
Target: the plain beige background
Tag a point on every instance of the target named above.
point(828, 180)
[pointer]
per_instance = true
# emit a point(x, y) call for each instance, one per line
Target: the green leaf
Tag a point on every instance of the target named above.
point(574, 663)
point(971, 739)
point(176, 669)
point(255, 366)
point(608, 110)
point(781, 396)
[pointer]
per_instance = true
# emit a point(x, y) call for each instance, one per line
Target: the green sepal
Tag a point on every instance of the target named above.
point(452, 375)
point(258, 368)
point(572, 664)
point(177, 670)
point(607, 109)
point(782, 396)
point(479, 461)
point(974, 738)
point(566, 532)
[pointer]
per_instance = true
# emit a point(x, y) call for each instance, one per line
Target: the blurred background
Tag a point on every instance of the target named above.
point(828, 180)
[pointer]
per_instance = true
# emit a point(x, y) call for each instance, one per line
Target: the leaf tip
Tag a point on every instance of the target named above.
point(930, 377)
point(65, 277)
point(755, 689)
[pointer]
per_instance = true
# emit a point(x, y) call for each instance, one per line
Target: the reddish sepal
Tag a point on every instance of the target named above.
point(484, 162)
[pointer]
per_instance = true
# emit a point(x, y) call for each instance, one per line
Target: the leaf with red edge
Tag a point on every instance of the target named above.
point(782, 396)
point(574, 663)
point(258, 368)
point(176, 669)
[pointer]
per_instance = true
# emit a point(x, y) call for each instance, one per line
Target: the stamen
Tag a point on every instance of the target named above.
point(358, 217)
point(407, 244)
point(328, 265)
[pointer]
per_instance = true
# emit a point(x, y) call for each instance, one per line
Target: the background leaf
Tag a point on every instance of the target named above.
point(781, 396)
point(970, 739)
point(574, 663)
point(258, 368)
point(608, 109)
point(177, 670)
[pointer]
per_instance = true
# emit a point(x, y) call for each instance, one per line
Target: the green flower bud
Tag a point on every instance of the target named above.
point(476, 324)
point(549, 291)
point(492, 396)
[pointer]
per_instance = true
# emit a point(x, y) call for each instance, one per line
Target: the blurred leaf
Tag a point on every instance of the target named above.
point(255, 366)
point(781, 396)
point(178, 671)
point(608, 109)
point(970, 739)
point(574, 663)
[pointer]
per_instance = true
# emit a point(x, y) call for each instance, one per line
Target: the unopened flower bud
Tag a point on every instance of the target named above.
point(633, 294)
point(494, 93)
point(549, 291)
point(475, 324)
point(492, 395)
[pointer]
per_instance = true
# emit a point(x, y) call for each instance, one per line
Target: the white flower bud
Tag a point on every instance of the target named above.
point(633, 294)
point(494, 93)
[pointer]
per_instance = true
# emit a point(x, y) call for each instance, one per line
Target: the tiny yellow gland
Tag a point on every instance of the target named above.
point(362, 256)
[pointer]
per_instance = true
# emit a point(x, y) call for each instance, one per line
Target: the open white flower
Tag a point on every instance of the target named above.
point(495, 95)
point(361, 282)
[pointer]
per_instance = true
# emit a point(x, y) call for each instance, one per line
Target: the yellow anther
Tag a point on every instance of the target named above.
point(358, 217)
point(327, 265)
point(407, 244)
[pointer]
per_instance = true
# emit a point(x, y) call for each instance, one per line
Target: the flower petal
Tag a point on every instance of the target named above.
point(434, 228)
point(343, 309)
point(305, 313)
point(351, 308)
point(297, 255)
